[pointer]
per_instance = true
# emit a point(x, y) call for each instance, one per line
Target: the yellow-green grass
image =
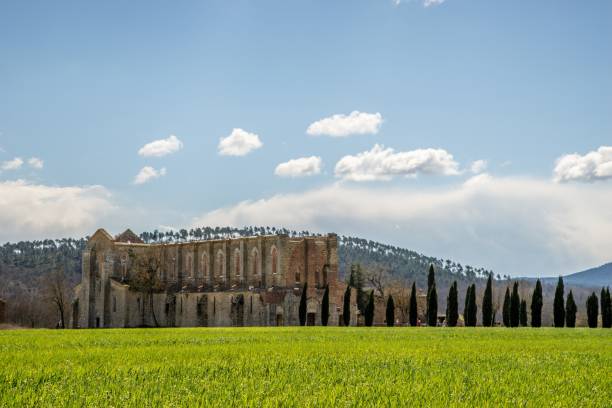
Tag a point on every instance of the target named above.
point(307, 366)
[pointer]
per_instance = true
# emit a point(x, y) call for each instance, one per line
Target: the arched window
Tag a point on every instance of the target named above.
point(274, 253)
point(237, 266)
point(255, 262)
point(221, 266)
point(204, 265)
point(189, 266)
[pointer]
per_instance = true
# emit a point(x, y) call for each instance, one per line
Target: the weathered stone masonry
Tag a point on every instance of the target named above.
point(255, 281)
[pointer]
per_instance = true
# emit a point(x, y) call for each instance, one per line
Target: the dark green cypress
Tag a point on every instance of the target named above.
point(469, 313)
point(325, 307)
point(369, 310)
point(559, 305)
point(346, 312)
point(487, 304)
point(506, 308)
point(452, 308)
point(523, 317)
point(608, 308)
point(536, 305)
point(570, 310)
point(432, 307)
point(431, 283)
point(303, 301)
point(412, 310)
point(515, 306)
point(592, 310)
point(390, 312)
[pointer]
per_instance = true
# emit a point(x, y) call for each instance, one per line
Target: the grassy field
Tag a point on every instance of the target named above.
point(307, 366)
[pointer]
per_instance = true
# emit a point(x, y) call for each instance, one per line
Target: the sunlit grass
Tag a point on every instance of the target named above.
point(306, 366)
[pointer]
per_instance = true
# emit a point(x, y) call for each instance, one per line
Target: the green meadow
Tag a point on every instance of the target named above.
point(311, 366)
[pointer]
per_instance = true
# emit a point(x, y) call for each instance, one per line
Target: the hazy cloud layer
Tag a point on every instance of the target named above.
point(516, 226)
point(14, 164)
point(593, 166)
point(162, 147)
point(149, 173)
point(239, 143)
point(429, 3)
point(355, 123)
point(34, 211)
point(382, 163)
point(304, 166)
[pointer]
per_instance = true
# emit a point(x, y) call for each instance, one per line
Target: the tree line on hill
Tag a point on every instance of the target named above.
point(30, 270)
point(514, 311)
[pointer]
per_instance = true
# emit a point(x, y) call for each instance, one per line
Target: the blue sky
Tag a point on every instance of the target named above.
point(518, 84)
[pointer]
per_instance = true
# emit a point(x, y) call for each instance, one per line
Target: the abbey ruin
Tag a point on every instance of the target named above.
point(254, 281)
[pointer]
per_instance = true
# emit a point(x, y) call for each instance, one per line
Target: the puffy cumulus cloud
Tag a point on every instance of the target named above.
point(162, 147)
point(304, 166)
point(522, 227)
point(148, 173)
point(36, 163)
point(14, 164)
point(355, 123)
point(593, 166)
point(478, 166)
point(383, 164)
point(35, 211)
point(239, 143)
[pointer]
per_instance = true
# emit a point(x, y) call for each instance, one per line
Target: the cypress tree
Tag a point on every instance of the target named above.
point(356, 281)
point(515, 306)
point(303, 301)
point(487, 304)
point(346, 312)
point(559, 306)
point(412, 310)
point(470, 310)
point(608, 308)
point(325, 307)
point(369, 310)
point(506, 308)
point(592, 310)
point(474, 306)
point(432, 307)
point(523, 317)
point(390, 311)
point(431, 281)
point(570, 311)
point(452, 308)
point(605, 312)
point(536, 305)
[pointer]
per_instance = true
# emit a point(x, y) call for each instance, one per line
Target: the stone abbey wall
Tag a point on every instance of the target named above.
point(255, 281)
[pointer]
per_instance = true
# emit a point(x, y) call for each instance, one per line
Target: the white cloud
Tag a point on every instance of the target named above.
point(148, 173)
point(36, 163)
point(593, 166)
point(14, 164)
point(304, 166)
point(34, 211)
point(239, 143)
point(478, 166)
point(516, 226)
point(383, 164)
point(356, 123)
point(162, 147)
point(429, 3)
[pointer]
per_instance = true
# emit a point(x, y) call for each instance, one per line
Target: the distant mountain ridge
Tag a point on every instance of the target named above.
point(599, 276)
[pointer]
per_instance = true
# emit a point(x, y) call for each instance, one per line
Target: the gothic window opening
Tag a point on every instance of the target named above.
point(237, 269)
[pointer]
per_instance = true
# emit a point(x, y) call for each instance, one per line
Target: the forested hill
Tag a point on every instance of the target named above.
point(22, 264)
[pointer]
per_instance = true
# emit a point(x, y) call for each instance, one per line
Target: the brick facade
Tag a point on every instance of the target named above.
point(254, 281)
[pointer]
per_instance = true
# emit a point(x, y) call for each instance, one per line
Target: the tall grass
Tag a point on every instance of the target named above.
point(306, 366)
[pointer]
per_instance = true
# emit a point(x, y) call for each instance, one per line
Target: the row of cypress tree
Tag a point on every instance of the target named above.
point(514, 310)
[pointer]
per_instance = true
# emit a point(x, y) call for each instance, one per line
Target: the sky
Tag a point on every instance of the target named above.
point(472, 130)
